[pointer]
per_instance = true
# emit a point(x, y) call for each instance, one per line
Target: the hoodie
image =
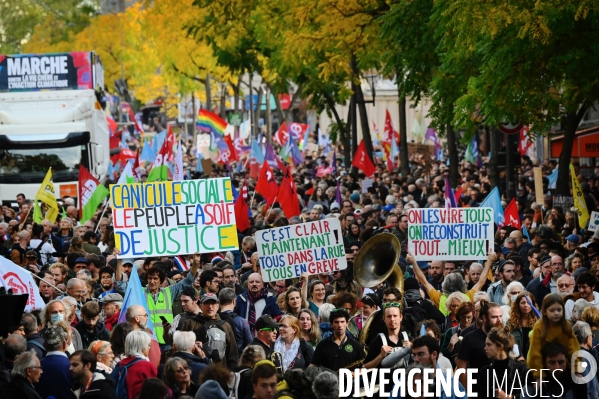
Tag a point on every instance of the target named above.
point(98, 333)
point(211, 389)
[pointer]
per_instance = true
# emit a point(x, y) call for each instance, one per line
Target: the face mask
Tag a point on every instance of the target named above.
point(513, 297)
point(56, 317)
point(405, 199)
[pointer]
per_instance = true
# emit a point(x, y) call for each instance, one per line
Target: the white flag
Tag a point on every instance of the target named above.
point(127, 175)
point(21, 282)
point(179, 164)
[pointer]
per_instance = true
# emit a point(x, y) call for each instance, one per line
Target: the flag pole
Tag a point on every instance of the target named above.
point(252, 201)
point(41, 279)
point(26, 216)
point(101, 216)
point(270, 209)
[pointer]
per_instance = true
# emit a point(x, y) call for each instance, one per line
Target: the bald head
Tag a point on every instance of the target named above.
point(517, 235)
point(255, 284)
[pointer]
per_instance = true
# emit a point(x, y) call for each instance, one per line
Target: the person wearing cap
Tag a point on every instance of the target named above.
point(335, 207)
point(266, 334)
point(111, 307)
point(203, 321)
point(80, 264)
point(31, 262)
point(338, 350)
point(540, 286)
point(572, 242)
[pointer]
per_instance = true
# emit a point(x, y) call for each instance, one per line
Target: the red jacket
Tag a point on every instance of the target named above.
point(137, 374)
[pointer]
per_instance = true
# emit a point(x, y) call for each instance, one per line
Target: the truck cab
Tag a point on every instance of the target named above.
point(50, 116)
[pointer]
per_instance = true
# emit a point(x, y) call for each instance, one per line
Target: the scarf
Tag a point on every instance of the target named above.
point(290, 354)
point(111, 321)
point(252, 310)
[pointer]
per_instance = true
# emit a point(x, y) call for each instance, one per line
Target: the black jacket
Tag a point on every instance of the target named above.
point(19, 388)
point(102, 387)
point(99, 333)
point(516, 372)
point(538, 290)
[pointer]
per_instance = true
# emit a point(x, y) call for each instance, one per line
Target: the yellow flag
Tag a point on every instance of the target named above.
point(47, 196)
point(579, 202)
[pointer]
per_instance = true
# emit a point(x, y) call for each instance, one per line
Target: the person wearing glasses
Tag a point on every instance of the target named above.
point(26, 372)
point(453, 336)
point(177, 377)
point(139, 319)
point(266, 334)
point(339, 350)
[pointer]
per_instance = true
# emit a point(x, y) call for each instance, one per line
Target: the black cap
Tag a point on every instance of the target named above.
point(266, 321)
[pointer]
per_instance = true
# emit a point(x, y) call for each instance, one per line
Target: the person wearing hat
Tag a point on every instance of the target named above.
point(355, 199)
point(111, 307)
point(572, 242)
point(80, 264)
point(31, 262)
point(266, 334)
point(540, 286)
point(339, 350)
point(208, 319)
point(335, 207)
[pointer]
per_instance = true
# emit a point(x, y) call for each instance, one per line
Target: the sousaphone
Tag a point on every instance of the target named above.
point(377, 262)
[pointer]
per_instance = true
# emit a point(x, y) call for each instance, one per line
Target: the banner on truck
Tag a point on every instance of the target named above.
point(314, 247)
point(450, 233)
point(173, 217)
point(59, 71)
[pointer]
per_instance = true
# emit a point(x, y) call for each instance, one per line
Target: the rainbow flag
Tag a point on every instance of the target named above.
point(210, 122)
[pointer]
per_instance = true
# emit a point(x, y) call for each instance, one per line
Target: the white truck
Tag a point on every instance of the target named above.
point(50, 116)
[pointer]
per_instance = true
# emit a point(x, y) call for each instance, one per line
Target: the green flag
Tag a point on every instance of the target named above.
point(92, 194)
point(159, 171)
point(37, 213)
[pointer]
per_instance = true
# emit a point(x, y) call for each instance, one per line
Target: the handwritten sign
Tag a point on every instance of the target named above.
point(450, 234)
point(174, 217)
point(594, 223)
point(538, 175)
point(314, 247)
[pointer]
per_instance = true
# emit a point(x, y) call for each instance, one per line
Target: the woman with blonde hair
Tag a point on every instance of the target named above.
point(296, 352)
point(309, 325)
point(453, 301)
point(104, 356)
point(590, 315)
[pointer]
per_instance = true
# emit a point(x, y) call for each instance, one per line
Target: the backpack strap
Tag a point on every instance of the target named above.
point(383, 338)
point(37, 344)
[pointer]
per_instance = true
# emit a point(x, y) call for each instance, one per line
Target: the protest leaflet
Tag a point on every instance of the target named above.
point(173, 217)
point(314, 247)
point(450, 233)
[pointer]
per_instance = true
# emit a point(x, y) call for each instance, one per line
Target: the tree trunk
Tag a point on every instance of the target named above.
point(454, 174)
point(571, 122)
point(364, 123)
point(494, 146)
point(343, 133)
point(404, 160)
point(268, 119)
point(252, 114)
point(223, 101)
point(208, 93)
point(259, 108)
point(237, 94)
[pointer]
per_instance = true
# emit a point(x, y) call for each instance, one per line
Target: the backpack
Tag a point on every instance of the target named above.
point(214, 339)
point(411, 317)
point(37, 345)
point(38, 253)
point(119, 374)
point(235, 381)
point(229, 318)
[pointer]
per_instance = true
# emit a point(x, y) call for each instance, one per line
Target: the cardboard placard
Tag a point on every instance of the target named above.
point(594, 222)
point(366, 184)
point(424, 149)
point(450, 234)
point(203, 141)
point(314, 247)
point(173, 217)
point(539, 195)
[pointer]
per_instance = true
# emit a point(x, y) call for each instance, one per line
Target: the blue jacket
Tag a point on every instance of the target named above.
point(56, 379)
point(242, 307)
point(538, 290)
point(243, 335)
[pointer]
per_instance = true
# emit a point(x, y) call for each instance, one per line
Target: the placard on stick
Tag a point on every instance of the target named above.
point(314, 247)
point(594, 221)
point(173, 218)
point(539, 195)
point(450, 234)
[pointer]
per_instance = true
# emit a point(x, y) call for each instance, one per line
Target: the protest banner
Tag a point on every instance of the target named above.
point(450, 233)
point(594, 223)
point(314, 247)
point(20, 281)
point(173, 217)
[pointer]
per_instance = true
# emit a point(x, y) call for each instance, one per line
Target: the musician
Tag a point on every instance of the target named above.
point(385, 343)
point(377, 326)
point(338, 350)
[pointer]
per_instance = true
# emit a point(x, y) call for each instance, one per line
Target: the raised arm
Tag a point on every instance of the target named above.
point(419, 274)
point(304, 280)
point(483, 277)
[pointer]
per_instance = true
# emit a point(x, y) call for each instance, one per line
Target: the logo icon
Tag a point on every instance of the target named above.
point(587, 367)
point(349, 348)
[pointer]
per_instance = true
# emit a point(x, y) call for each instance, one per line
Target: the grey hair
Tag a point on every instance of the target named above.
point(580, 305)
point(29, 323)
point(46, 318)
point(14, 345)
point(324, 312)
point(454, 283)
point(4, 225)
point(508, 289)
point(54, 338)
point(136, 342)
point(326, 386)
point(24, 361)
point(477, 265)
point(249, 240)
point(582, 331)
point(454, 295)
point(71, 283)
point(480, 295)
point(68, 301)
point(86, 274)
point(226, 296)
point(184, 340)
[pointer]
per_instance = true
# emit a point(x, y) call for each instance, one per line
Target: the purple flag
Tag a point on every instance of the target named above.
point(449, 195)
point(431, 135)
point(334, 166)
point(338, 194)
point(270, 156)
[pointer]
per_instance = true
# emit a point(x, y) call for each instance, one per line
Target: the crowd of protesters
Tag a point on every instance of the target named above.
point(217, 330)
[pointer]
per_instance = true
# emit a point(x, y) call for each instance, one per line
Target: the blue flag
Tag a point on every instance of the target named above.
point(552, 179)
point(135, 296)
point(525, 233)
point(493, 200)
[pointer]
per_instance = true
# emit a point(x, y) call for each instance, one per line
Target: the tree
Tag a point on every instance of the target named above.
point(536, 64)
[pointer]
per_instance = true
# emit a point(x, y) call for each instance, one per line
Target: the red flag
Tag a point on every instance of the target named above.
point(524, 141)
point(126, 154)
point(112, 125)
point(458, 195)
point(389, 132)
point(170, 138)
point(512, 218)
point(231, 148)
point(267, 185)
point(362, 160)
point(288, 195)
point(136, 168)
point(242, 219)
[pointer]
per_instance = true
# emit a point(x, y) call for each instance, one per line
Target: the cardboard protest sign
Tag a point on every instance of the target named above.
point(314, 247)
point(450, 233)
point(173, 217)
point(538, 175)
point(594, 222)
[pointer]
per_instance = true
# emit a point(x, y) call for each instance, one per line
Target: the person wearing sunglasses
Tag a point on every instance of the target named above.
point(266, 334)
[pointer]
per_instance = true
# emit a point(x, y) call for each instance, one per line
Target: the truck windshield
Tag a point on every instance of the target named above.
point(31, 165)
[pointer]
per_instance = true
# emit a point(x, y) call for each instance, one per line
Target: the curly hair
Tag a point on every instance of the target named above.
point(516, 314)
point(345, 297)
